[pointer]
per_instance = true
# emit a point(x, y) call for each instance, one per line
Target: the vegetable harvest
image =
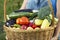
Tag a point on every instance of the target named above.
point(30, 21)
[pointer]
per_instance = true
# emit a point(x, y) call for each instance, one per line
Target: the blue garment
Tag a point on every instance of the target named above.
point(54, 6)
point(33, 4)
point(37, 4)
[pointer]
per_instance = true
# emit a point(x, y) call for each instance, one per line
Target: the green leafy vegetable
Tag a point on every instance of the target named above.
point(43, 12)
point(49, 19)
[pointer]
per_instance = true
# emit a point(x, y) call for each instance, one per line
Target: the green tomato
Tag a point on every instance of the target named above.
point(38, 22)
point(17, 26)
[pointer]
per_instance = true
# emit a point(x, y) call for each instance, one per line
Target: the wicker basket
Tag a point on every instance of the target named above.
point(18, 34)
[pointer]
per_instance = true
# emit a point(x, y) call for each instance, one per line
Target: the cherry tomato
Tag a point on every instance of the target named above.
point(17, 21)
point(34, 26)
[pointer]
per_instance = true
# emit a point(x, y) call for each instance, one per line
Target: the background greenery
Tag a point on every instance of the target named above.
point(11, 6)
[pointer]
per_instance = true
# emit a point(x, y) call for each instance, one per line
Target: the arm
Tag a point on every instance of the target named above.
point(24, 4)
point(58, 26)
point(58, 14)
point(55, 37)
point(58, 9)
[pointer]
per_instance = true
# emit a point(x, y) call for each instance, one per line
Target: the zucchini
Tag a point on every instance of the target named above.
point(14, 15)
point(33, 16)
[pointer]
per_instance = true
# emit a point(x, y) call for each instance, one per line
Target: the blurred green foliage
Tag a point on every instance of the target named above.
point(12, 5)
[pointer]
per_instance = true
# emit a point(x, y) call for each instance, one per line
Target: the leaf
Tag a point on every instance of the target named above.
point(49, 19)
point(43, 12)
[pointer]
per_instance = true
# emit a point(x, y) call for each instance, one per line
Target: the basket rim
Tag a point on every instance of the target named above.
point(20, 30)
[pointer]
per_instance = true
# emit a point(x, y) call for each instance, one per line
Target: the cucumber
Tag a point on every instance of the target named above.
point(34, 15)
point(14, 15)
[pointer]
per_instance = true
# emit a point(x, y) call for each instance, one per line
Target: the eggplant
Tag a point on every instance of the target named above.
point(24, 10)
point(10, 23)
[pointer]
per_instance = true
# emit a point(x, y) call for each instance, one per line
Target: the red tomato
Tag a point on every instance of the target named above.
point(34, 26)
point(22, 21)
point(17, 20)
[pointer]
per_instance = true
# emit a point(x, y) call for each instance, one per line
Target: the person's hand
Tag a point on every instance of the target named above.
point(54, 38)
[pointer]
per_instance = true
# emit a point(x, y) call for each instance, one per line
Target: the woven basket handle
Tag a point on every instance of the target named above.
point(52, 12)
point(5, 1)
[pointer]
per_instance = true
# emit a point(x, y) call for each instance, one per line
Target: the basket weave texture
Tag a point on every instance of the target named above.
point(18, 34)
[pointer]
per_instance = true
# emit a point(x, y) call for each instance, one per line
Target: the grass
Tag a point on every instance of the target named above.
point(2, 34)
point(11, 6)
